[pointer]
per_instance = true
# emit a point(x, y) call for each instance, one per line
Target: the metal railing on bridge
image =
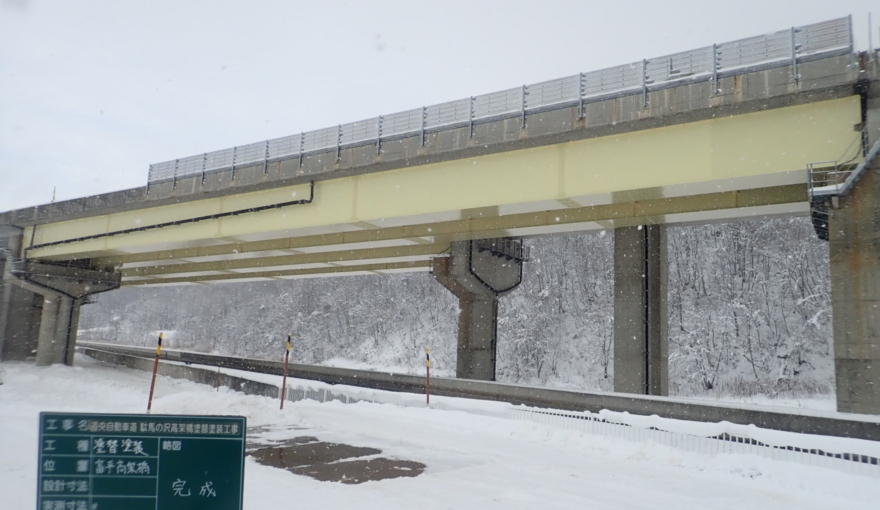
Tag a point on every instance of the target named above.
point(827, 181)
point(836, 178)
point(711, 63)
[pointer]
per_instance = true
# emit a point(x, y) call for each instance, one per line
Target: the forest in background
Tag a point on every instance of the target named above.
point(749, 313)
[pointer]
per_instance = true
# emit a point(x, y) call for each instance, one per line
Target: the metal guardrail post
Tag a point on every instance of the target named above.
point(794, 67)
point(234, 150)
point(715, 88)
point(644, 83)
point(338, 141)
point(174, 179)
point(581, 92)
point(523, 106)
point(424, 123)
point(852, 44)
point(471, 118)
point(302, 137)
point(266, 159)
point(204, 165)
point(379, 136)
point(149, 178)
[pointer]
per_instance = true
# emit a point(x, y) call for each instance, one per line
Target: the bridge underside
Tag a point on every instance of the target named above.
point(410, 248)
point(743, 166)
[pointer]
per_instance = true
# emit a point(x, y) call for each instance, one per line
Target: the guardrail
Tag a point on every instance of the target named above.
point(784, 48)
point(847, 452)
point(571, 400)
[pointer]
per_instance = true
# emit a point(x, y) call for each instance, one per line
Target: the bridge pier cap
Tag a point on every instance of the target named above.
point(478, 272)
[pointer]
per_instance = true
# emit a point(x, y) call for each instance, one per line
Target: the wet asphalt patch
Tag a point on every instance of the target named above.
point(327, 462)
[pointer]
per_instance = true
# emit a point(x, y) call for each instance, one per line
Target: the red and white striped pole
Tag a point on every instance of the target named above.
point(284, 379)
point(155, 371)
point(428, 376)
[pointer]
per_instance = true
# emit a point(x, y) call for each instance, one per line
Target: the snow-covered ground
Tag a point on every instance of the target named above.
point(472, 461)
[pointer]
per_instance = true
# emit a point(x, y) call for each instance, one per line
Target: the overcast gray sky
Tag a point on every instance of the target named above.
point(92, 92)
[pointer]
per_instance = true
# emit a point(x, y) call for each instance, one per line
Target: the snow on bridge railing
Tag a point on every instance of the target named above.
point(784, 48)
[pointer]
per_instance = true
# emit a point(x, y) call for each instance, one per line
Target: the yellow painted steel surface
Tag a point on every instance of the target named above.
point(749, 146)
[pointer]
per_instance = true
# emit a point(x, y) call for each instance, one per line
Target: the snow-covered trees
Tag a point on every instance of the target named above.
point(557, 327)
point(749, 304)
point(749, 310)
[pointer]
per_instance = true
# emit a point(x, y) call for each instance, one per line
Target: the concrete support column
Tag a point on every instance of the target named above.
point(19, 308)
point(854, 235)
point(477, 337)
point(20, 312)
point(640, 323)
point(58, 325)
point(854, 249)
point(478, 272)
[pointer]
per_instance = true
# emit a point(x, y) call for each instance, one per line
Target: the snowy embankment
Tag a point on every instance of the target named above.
point(472, 461)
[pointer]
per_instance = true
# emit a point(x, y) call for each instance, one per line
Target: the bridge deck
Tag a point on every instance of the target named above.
point(690, 156)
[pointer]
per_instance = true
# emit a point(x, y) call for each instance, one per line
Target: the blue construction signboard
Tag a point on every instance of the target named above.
point(140, 462)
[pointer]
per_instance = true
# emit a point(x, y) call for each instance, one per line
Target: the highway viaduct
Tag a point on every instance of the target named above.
point(454, 188)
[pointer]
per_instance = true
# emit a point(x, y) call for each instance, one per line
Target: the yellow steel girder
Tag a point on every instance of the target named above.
point(749, 146)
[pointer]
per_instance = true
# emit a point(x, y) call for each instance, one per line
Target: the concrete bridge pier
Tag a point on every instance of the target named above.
point(20, 309)
point(640, 324)
point(58, 325)
point(20, 313)
point(478, 273)
point(854, 235)
point(48, 330)
point(854, 250)
point(64, 290)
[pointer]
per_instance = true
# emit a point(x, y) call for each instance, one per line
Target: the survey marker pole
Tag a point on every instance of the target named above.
point(428, 376)
point(155, 371)
point(284, 379)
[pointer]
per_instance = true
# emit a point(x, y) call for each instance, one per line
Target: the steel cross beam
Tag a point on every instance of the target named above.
point(289, 260)
point(423, 265)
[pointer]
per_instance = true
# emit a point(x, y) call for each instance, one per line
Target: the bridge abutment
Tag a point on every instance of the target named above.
point(854, 249)
point(478, 273)
point(855, 296)
point(640, 323)
point(854, 234)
